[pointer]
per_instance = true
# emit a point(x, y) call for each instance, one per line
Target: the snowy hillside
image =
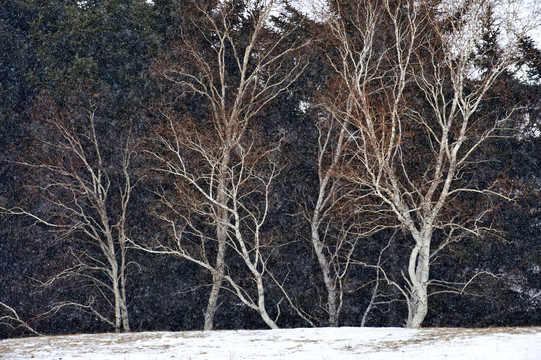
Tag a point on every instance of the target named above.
point(293, 344)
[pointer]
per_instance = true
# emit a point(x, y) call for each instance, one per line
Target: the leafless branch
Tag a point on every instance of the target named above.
point(13, 320)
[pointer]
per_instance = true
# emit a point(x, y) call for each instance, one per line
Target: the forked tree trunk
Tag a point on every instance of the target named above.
point(418, 270)
point(261, 303)
point(117, 273)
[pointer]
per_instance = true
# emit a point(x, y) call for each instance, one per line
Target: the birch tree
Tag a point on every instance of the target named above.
point(235, 65)
point(341, 216)
point(428, 49)
point(85, 205)
point(331, 143)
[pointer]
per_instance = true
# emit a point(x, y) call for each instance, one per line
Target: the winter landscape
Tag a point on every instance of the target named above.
point(295, 344)
point(361, 179)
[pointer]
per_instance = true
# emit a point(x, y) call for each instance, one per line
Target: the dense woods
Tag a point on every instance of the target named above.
point(183, 164)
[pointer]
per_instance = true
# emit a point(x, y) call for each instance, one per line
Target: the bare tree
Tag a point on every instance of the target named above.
point(335, 224)
point(216, 162)
point(76, 183)
point(329, 191)
point(429, 49)
point(247, 208)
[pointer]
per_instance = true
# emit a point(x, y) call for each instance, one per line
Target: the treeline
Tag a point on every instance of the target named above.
point(180, 164)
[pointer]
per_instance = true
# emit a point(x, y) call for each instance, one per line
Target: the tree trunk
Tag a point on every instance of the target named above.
point(261, 303)
point(418, 270)
point(116, 291)
point(418, 307)
point(372, 298)
point(125, 319)
point(217, 279)
point(330, 285)
point(334, 301)
point(221, 237)
point(123, 303)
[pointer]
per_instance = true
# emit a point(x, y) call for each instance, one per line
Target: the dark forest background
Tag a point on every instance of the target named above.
point(65, 62)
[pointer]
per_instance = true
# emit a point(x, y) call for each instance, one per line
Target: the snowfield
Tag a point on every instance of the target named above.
point(299, 344)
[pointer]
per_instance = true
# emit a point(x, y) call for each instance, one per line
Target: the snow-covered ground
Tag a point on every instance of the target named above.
point(297, 344)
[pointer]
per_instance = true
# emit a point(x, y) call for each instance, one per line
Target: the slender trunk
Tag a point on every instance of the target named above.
point(330, 284)
point(116, 292)
point(261, 303)
point(333, 293)
point(372, 299)
point(125, 318)
point(217, 279)
point(221, 237)
point(123, 303)
point(115, 273)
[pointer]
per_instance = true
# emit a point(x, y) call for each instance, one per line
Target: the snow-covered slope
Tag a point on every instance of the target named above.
point(297, 344)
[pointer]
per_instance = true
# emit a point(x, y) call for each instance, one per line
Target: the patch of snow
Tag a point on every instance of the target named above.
point(290, 344)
